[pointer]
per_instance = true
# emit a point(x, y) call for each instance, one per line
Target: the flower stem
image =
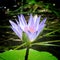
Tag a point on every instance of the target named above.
point(27, 53)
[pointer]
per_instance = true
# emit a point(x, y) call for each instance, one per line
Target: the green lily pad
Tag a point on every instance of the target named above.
point(20, 55)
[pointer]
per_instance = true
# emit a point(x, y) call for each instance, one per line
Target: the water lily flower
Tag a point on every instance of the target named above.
point(32, 28)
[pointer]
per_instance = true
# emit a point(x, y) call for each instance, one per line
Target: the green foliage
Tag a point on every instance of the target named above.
point(20, 55)
point(25, 39)
point(31, 1)
point(31, 6)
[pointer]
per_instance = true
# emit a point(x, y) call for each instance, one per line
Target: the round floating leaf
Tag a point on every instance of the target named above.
point(20, 55)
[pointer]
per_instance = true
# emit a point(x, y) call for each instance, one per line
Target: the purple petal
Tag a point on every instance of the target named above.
point(43, 22)
point(18, 32)
point(35, 18)
point(16, 28)
point(40, 29)
point(30, 22)
point(32, 36)
point(37, 22)
point(20, 25)
point(12, 23)
point(23, 20)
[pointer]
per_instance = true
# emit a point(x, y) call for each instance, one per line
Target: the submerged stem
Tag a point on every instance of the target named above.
point(27, 53)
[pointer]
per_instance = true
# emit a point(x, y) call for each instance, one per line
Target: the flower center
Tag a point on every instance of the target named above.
point(31, 29)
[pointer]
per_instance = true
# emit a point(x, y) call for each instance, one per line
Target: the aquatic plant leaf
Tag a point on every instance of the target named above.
point(46, 44)
point(20, 55)
point(19, 46)
point(52, 41)
point(50, 33)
